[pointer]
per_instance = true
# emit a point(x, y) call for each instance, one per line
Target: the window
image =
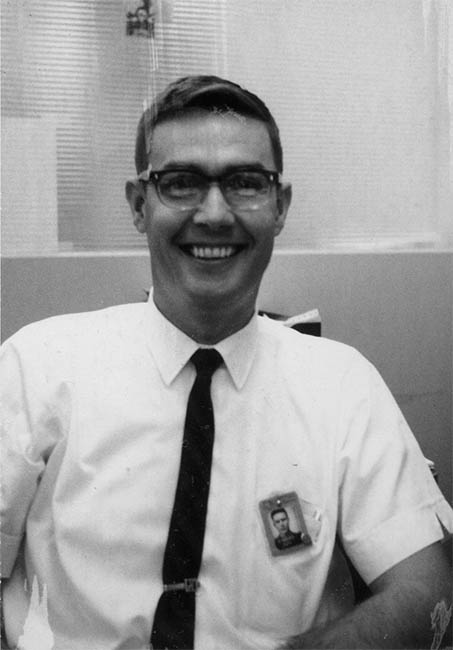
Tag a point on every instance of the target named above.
point(359, 89)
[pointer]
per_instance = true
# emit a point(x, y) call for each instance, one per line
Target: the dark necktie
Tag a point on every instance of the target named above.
point(174, 620)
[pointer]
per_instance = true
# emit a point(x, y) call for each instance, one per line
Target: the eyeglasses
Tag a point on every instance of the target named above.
point(184, 189)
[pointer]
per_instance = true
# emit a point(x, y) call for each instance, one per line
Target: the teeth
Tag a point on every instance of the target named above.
point(212, 252)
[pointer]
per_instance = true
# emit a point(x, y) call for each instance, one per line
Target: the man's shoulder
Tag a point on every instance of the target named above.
point(288, 342)
point(307, 362)
point(77, 327)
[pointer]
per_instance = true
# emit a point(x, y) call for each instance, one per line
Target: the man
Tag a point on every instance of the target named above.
point(286, 538)
point(95, 404)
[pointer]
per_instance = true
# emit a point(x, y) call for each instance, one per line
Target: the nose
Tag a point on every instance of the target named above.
point(214, 211)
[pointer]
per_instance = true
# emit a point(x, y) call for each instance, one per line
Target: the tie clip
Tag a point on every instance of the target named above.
point(189, 585)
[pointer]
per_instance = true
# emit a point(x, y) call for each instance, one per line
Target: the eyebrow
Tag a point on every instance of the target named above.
point(195, 167)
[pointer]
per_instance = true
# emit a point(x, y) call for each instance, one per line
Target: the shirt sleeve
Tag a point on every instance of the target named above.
point(28, 429)
point(390, 506)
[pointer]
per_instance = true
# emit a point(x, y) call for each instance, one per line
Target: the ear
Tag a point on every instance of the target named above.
point(135, 196)
point(284, 195)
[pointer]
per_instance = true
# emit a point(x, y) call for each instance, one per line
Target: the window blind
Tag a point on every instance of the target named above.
point(359, 89)
point(72, 59)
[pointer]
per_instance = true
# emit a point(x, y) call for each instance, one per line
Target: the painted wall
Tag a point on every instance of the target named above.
point(396, 308)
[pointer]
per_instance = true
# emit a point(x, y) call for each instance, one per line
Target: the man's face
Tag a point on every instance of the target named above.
point(280, 521)
point(213, 254)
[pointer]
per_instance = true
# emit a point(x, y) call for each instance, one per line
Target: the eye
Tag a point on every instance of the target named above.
point(247, 183)
point(180, 184)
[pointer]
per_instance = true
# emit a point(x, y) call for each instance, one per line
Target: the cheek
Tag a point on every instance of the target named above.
point(157, 227)
point(265, 240)
point(267, 226)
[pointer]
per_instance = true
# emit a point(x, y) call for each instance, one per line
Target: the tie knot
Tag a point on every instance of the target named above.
point(206, 360)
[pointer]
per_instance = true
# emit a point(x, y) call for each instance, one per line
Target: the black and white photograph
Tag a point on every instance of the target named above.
point(226, 353)
point(284, 524)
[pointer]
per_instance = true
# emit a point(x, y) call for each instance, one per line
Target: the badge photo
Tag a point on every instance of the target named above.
point(284, 523)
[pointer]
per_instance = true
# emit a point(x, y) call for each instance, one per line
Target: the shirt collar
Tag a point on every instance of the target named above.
point(172, 349)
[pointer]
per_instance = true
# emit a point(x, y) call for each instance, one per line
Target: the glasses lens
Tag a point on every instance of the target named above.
point(181, 188)
point(184, 189)
point(247, 188)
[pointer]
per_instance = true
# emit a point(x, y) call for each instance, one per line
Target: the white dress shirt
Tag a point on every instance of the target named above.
point(93, 416)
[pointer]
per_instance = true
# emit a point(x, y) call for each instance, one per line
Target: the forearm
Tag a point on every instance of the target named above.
point(391, 619)
point(4, 644)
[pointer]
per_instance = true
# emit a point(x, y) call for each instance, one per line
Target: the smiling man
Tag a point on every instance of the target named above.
point(141, 438)
point(210, 242)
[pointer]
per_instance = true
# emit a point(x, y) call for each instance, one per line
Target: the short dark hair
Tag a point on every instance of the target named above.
point(277, 510)
point(203, 92)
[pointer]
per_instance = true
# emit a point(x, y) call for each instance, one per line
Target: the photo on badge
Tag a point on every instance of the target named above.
point(284, 524)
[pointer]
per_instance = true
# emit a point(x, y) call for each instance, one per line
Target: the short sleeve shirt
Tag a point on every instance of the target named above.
point(93, 413)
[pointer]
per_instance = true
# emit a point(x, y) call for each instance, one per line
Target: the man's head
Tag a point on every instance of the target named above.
point(209, 93)
point(280, 520)
point(209, 199)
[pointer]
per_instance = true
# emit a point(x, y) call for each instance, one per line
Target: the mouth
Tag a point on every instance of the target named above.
point(212, 253)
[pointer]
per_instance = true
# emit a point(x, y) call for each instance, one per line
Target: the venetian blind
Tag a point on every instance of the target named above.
point(359, 88)
point(360, 91)
point(72, 62)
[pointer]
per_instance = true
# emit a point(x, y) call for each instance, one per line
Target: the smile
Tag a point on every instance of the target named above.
point(211, 252)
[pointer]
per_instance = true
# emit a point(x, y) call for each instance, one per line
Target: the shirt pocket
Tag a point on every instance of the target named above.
point(279, 595)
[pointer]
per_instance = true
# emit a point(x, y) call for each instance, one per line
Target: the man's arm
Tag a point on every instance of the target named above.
point(15, 603)
point(398, 614)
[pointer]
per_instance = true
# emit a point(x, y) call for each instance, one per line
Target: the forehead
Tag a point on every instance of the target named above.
point(211, 141)
point(279, 515)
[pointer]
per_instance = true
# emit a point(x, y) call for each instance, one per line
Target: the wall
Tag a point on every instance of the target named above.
point(396, 308)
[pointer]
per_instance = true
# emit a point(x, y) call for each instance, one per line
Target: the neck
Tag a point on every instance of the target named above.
point(206, 322)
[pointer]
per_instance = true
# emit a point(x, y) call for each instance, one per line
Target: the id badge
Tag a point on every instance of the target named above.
point(284, 523)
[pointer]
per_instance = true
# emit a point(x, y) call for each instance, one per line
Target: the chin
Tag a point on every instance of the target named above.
point(222, 293)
